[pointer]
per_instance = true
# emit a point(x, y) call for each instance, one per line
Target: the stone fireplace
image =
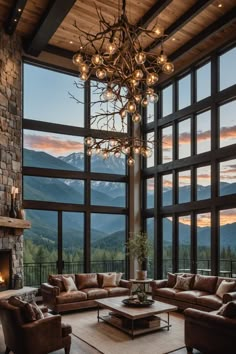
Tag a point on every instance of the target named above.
point(5, 269)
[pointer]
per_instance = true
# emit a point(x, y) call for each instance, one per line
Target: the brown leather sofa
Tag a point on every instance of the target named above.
point(89, 288)
point(38, 337)
point(209, 333)
point(201, 295)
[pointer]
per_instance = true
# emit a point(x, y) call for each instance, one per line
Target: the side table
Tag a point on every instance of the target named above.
point(142, 283)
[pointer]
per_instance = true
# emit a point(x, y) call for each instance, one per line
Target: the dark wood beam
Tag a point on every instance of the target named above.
point(182, 21)
point(59, 51)
point(51, 20)
point(154, 11)
point(224, 21)
point(14, 16)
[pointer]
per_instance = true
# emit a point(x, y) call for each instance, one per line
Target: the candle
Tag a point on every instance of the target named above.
point(13, 190)
point(16, 190)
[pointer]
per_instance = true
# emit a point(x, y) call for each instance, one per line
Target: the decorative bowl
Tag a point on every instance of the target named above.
point(137, 303)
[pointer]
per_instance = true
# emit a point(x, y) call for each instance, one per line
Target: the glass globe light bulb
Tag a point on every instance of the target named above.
point(97, 59)
point(133, 82)
point(140, 58)
point(162, 58)
point(126, 149)
point(144, 102)
point(84, 76)
point(148, 152)
point(98, 149)
point(136, 149)
point(89, 151)
point(159, 30)
point(131, 107)
point(138, 98)
point(89, 141)
point(108, 94)
point(136, 118)
point(105, 154)
point(168, 68)
point(130, 161)
point(153, 98)
point(123, 113)
point(138, 74)
point(112, 142)
point(152, 78)
point(77, 59)
point(101, 73)
point(117, 153)
point(111, 48)
point(84, 68)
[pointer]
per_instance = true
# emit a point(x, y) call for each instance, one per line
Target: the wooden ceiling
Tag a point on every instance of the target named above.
point(193, 27)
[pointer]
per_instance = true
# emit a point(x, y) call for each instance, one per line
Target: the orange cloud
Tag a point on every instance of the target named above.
point(52, 144)
point(150, 184)
point(204, 220)
point(167, 183)
point(204, 176)
point(227, 216)
point(228, 132)
point(186, 220)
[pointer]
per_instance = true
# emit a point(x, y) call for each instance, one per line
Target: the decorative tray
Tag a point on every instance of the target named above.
point(137, 303)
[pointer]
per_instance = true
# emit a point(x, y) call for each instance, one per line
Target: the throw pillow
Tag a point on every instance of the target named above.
point(32, 312)
point(16, 301)
point(183, 283)
point(228, 310)
point(59, 283)
point(225, 287)
point(69, 284)
point(86, 280)
point(171, 280)
point(118, 278)
point(109, 280)
point(205, 283)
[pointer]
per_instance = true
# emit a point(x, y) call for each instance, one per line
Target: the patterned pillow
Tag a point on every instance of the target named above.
point(16, 301)
point(225, 287)
point(228, 310)
point(69, 284)
point(32, 312)
point(171, 280)
point(109, 280)
point(183, 283)
point(59, 283)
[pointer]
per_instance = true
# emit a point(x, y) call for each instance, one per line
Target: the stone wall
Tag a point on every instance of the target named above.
point(10, 140)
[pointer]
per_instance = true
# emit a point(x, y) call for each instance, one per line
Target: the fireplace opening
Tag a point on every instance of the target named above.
point(5, 269)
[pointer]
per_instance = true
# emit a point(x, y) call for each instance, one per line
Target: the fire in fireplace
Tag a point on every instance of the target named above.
point(5, 269)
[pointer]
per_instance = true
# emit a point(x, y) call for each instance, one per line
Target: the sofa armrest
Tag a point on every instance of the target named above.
point(229, 297)
point(125, 284)
point(209, 320)
point(157, 284)
point(35, 333)
point(49, 294)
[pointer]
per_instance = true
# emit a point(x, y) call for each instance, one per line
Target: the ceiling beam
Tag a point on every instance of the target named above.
point(222, 22)
point(14, 16)
point(51, 20)
point(153, 12)
point(181, 22)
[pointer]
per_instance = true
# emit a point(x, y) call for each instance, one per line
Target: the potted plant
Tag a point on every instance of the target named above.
point(138, 247)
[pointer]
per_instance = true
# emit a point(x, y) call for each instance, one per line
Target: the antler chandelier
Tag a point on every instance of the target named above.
point(116, 57)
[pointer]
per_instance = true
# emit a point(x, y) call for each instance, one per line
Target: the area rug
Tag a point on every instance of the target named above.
point(108, 339)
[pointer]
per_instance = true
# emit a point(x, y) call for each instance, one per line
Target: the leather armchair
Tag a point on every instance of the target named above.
point(39, 337)
point(209, 333)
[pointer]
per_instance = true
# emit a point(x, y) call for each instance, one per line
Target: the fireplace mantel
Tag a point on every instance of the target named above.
point(14, 223)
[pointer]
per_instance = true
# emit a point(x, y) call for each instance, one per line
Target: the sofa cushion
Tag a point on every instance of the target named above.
point(56, 280)
point(183, 283)
point(86, 280)
point(95, 293)
point(205, 283)
point(109, 280)
point(73, 296)
point(117, 291)
point(100, 277)
point(171, 280)
point(17, 302)
point(212, 301)
point(69, 284)
point(32, 312)
point(166, 292)
point(228, 310)
point(190, 295)
point(225, 287)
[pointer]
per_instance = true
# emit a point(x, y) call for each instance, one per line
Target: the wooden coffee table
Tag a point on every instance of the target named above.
point(134, 320)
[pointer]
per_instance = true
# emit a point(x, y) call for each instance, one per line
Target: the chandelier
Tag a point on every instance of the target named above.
point(115, 56)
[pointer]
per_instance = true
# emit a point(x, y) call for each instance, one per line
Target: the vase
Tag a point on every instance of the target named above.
point(141, 274)
point(12, 211)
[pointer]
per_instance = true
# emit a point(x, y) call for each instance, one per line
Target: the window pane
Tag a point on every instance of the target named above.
point(108, 193)
point(73, 242)
point(203, 76)
point(167, 189)
point(150, 112)
point(53, 189)
point(167, 100)
point(203, 182)
point(184, 141)
point(203, 132)
point(150, 159)
point(52, 102)
point(227, 177)
point(184, 232)
point(167, 227)
point(150, 233)
point(227, 114)
point(228, 242)
point(227, 69)
point(40, 246)
point(204, 243)
point(112, 165)
point(184, 90)
point(150, 192)
point(167, 144)
point(108, 242)
point(55, 151)
point(184, 179)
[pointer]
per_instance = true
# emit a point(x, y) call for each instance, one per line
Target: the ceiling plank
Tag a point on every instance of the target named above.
point(49, 23)
point(153, 12)
point(14, 16)
point(225, 20)
point(182, 21)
